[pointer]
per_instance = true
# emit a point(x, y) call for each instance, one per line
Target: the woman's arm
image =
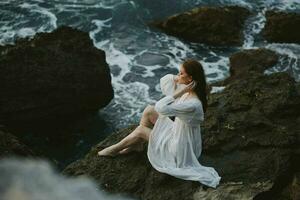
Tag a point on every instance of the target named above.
point(182, 110)
point(187, 88)
point(168, 84)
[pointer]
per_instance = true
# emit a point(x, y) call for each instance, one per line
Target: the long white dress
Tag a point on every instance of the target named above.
point(175, 146)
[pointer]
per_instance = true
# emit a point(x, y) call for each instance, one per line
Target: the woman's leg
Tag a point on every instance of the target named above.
point(147, 122)
point(134, 140)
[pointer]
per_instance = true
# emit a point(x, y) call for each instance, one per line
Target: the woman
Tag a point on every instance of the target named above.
point(172, 127)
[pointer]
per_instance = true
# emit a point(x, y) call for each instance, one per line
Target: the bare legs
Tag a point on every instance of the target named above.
point(134, 140)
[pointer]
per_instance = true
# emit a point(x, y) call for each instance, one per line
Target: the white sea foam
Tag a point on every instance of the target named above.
point(289, 59)
point(100, 25)
point(24, 32)
point(52, 22)
point(253, 27)
point(217, 68)
point(7, 33)
point(124, 46)
point(9, 30)
point(242, 3)
point(131, 97)
point(282, 4)
point(269, 4)
point(217, 89)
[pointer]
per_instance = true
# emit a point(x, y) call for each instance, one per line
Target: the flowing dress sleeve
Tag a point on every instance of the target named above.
point(183, 110)
point(167, 84)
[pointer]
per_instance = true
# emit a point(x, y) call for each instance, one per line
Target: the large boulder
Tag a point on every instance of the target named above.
point(245, 63)
point(210, 25)
point(52, 78)
point(282, 27)
point(252, 126)
point(250, 136)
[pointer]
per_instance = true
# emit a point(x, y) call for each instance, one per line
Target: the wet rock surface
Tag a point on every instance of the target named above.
point(52, 87)
point(245, 63)
point(282, 27)
point(218, 26)
point(250, 136)
point(11, 146)
point(52, 78)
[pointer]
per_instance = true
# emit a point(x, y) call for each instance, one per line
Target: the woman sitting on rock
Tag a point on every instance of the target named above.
point(172, 127)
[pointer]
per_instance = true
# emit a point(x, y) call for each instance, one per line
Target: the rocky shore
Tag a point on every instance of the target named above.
point(223, 26)
point(251, 132)
point(250, 135)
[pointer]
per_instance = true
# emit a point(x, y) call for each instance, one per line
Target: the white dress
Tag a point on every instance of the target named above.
point(175, 146)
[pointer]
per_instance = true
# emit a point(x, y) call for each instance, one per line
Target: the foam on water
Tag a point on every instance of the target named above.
point(119, 27)
point(256, 4)
point(256, 23)
point(100, 26)
point(288, 61)
point(242, 3)
point(135, 95)
point(253, 27)
point(219, 69)
point(130, 98)
point(283, 4)
point(289, 53)
point(10, 30)
point(217, 89)
point(51, 22)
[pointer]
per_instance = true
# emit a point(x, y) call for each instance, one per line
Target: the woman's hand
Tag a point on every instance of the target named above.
point(188, 88)
point(175, 78)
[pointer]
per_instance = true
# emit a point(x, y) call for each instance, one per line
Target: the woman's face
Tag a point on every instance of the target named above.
point(183, 77)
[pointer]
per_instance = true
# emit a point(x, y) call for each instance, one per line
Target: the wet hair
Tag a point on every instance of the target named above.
point(195, 69)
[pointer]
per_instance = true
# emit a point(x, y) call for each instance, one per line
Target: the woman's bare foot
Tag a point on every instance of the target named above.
point(126, 150)
point(135, 147)
point(108, 151)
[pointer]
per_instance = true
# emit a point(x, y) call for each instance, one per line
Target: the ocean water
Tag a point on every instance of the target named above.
point(137, 55)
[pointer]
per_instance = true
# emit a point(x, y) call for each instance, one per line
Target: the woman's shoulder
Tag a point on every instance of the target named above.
point(191, 99)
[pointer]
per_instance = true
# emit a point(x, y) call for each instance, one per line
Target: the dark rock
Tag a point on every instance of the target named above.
point(220, 26)
point(292, 190)
point(115, 70)
point(10, 145)
point(256, 60)
point(131, 173)
point(246, 62)
point(253, 120)
point(52, 78)
point(249, 136)
point(150, 59)
point(138, 69)
point(282, 27)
